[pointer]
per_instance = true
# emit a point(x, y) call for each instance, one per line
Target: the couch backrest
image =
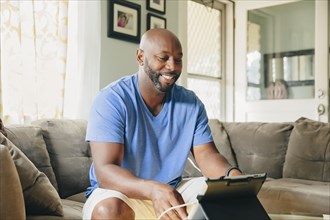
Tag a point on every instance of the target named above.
point(69, 153)
point(221, 141)
point(259, 147)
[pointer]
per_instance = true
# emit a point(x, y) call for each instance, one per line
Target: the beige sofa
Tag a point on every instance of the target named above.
point(44, 166)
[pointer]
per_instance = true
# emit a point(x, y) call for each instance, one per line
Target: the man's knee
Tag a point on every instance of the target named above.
point(112, 208)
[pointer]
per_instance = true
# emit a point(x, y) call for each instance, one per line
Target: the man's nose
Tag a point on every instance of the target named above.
point(170, 64)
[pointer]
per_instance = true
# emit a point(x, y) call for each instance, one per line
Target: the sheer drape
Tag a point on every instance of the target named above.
point(84, 51)
point(49, 59)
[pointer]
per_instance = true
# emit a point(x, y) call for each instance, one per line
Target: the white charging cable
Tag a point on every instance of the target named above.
point(182, 205)
point(177, 206)
point(193, 164)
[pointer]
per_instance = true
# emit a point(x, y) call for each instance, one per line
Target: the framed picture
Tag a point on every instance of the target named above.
point(158, 6)
point(124, 20)
point(154, 21)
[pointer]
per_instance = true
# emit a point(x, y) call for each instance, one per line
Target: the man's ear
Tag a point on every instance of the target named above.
point(139, 57)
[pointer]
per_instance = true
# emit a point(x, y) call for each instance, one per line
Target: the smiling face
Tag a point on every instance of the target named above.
point(162, 79)
point(161, 58)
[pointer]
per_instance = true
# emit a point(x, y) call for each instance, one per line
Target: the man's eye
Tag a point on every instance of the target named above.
point(179, 61)
point(164, 59)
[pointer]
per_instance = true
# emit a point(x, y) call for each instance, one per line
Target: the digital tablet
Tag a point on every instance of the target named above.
point(231, 198)
point(233, 186)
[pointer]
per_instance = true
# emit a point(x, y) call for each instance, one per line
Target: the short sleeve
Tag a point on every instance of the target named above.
point(106, 121)
point(202, 134)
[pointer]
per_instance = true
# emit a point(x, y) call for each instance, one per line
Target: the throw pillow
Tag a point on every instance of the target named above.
point(308, 155)
point(30, 141)
point(70, 154)
point(12, 200)
point(2, 128)
point(39, 194)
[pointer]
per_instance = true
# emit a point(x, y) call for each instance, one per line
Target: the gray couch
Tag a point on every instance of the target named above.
point(296, 157)
point(52, 162)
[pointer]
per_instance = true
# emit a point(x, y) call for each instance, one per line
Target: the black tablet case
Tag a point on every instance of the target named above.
point(234, 198)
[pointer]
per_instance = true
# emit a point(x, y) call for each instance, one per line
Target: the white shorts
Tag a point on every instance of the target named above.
point(188, 188)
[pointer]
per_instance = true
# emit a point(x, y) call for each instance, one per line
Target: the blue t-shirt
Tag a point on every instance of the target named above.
point(155, 147)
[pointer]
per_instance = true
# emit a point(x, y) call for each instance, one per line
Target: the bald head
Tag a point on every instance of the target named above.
point(160, 60)
point(160, 39)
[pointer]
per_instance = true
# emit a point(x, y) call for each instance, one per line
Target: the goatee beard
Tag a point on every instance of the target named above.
point(154, 77)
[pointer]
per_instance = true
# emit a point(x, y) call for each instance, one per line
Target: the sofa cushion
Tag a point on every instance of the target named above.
point(308, 155)
point(259, 147)
point(72, 210)
point(29, 140)
point(295, 195)
point(80, 197)
point(69, 152)
point(40, 196)
point(10, 188)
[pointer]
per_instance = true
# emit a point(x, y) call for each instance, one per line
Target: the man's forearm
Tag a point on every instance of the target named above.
point(117, 178)
point(214, 165)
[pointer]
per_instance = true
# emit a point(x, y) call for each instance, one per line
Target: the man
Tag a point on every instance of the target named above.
point(141, 130)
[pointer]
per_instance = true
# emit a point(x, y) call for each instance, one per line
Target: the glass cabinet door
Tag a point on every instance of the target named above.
point(280, 51)
point(280, 67)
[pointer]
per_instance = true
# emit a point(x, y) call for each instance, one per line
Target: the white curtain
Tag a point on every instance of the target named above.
point(50, 59)
point(84, 54)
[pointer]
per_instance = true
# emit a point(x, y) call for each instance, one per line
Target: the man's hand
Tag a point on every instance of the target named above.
point(164, 197)
point(235, 172)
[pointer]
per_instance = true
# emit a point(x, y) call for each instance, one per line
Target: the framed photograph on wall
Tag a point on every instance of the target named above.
point(124, 20)
point(155, 21)
point(158, 6)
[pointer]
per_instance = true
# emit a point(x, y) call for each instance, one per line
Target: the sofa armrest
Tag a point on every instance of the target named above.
point(11, 194)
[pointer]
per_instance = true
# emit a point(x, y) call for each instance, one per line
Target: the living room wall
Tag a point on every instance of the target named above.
point(117, 56)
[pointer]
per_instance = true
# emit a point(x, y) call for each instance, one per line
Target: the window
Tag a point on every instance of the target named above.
point(44, 73)
point(205, 63)
point(33, 59)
